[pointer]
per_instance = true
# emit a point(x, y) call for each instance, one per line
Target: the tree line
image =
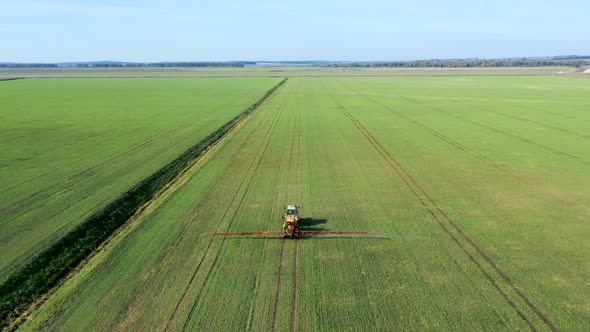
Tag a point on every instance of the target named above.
point(236, 64)
point(469, 63)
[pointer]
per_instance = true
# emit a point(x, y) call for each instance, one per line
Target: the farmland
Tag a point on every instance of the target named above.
point(71, 146)
point(273, 71)
point(479, 186)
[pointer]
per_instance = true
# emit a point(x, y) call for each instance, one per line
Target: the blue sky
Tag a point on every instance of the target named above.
point(157, 30)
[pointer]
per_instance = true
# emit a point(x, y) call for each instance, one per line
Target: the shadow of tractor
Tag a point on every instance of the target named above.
point(308, 224)
point(313, 224)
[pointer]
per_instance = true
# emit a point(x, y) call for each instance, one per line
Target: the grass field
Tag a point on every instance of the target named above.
point(71, 146)
point(479, 186)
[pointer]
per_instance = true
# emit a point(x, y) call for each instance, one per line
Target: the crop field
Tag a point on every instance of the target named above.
point(478, 185)
point(71, 146)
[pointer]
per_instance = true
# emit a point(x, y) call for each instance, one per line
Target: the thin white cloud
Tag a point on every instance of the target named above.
point(65, 8)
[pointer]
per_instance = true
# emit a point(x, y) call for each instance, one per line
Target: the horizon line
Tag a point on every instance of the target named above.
point(553, 57)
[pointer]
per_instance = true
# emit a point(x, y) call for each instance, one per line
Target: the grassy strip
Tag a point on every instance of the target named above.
point(47, 269)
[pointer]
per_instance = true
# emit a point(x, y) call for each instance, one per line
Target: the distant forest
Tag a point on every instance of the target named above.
point(238, 64)
point(470, 63)
point(567, 61)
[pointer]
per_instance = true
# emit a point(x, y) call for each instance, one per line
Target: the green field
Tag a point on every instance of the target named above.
point(71, 146)
point(479, 186)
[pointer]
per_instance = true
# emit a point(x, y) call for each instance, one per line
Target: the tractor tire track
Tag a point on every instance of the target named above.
point(191, 218)
point(114, 157)
point(209, 245)
point(183, 233)
point(174, 313)
point(50, 267)
point(81, 176)
point(563, 130)
point(496, 130)
point(256, 161)
point(278, 288)
point(262, 260)
point(292, 151)
point(434, 209)
point(127, 151)
point(282, 246)
point(170, 189)
point(563, 200)
point(458, 145)
point(183, 227)
point(568, 116)
point(25, 202)
point(292, 324)
point(520, 138)
point(16, 209)
point(294, 290)
point(341, 201)
point(384, 155)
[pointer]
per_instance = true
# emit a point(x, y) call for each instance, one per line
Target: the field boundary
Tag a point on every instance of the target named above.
point(49, 268)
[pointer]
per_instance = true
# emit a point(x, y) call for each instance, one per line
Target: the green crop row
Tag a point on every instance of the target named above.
point(48, 268)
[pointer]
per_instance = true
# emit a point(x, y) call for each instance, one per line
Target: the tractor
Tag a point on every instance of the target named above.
point(291, 229)
point(291, 222)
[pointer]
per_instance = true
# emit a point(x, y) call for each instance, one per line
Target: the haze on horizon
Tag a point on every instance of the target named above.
point(157, 30)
